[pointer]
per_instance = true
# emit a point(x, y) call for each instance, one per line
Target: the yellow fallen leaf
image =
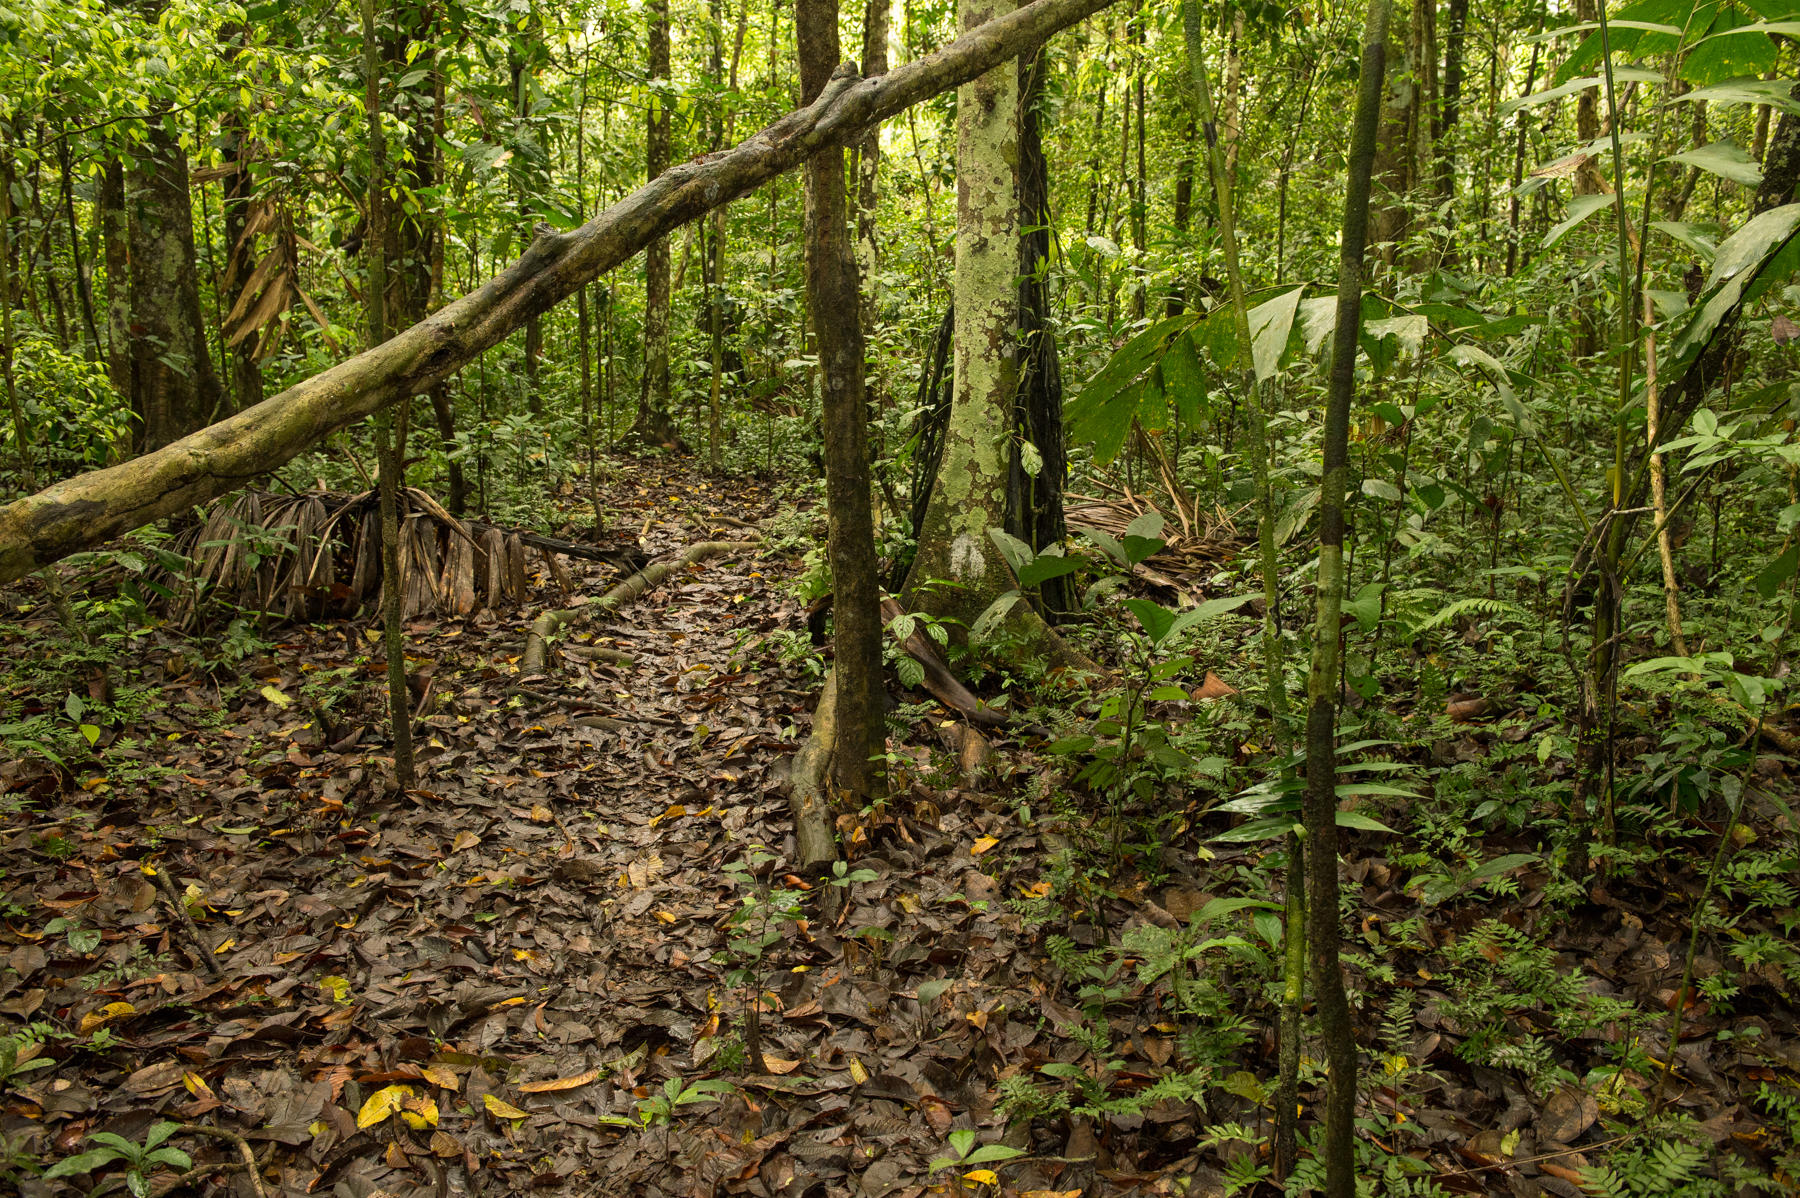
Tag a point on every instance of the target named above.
point(666, 916)
point(105, 1015)
point(1051, 1194)
point(500, 1108)
point(419, 1113)
point(986, 1177)
point(779, 1066)
point(541, 814)
point(674, 811)
point(338, 988)
point(983, 845)
point(275, 695)
point(464, 840)
point(381, 1104)
point(226, 947)
point(559, 1083)
point(441, 1077)
point(196, 1085)
point(858, 1073)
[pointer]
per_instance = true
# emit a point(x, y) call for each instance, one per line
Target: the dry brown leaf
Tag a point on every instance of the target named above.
point(559, 1083)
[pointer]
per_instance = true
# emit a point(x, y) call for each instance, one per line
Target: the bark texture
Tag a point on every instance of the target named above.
point(859, 734)
point(970, 493)
point(1323, 915)
point(174, 389)
point(654, 423)
point(92, 508)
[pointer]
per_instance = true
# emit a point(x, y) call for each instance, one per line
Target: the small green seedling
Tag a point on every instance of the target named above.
point(140, 1159)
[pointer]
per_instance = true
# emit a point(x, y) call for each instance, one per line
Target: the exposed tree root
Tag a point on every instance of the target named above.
point(809, 795)
point(547, 625)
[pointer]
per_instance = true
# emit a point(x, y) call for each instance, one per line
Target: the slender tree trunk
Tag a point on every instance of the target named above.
point(860, 735)
point(868, 194)
point(654, 424)
point(117, 244)
point(1450, 111)
point(1518, 172)
point(1322, 681)
point(390, 453)
point(84, 285)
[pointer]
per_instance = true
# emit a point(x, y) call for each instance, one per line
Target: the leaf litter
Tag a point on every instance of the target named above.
point(513, 976)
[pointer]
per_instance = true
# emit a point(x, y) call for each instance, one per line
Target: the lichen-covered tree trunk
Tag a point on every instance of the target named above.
point(859, 733)
point(173, 386)
point(970, 494)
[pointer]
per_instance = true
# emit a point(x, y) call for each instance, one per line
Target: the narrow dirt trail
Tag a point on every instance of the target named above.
point(454, 989)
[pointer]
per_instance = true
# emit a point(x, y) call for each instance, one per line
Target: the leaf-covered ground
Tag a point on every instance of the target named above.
point(506, 978)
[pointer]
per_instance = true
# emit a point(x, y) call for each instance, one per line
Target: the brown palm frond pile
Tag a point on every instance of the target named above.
point(1195, 542)
point(318, 554)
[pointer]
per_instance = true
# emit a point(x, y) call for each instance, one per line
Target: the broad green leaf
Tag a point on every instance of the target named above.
point(1741, 259)
point(1104, 541)
point(1773, 92)
point(81, 1162)
point(1381, 489)
point(1052, 563)
point(1017, 553)
point(1270, 324)
point(1184, 379)
point(1318, 317)
point(1768, 582)
point(1689, 236)
point(1724, 159)
point(1408, 330)
point(1215, 908)
point(1621, 75)
point(1766, 28)
point(991, 617)
point(1500, 865)
point(1562, 31)
point(1156, 619)
point(1361, 822)
point(1143, 537)
point(1260, 829)
point(1209, 610)
point(1580, 209)
point(992, 1152)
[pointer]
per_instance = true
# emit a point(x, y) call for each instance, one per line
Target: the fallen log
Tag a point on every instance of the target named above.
point(93, 508)
point(547, 625)
point(629, 559)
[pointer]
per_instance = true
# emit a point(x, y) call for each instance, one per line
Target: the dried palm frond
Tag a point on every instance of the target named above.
point(318, 555)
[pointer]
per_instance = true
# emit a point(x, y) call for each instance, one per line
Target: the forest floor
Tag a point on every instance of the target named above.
point(514, 976)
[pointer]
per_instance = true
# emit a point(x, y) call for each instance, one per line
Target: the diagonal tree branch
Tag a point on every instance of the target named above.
point(92, 508)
